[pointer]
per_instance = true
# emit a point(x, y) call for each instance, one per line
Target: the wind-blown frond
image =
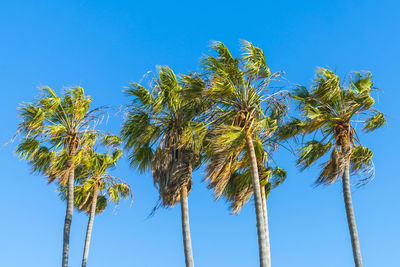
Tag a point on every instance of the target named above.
point(361, 163)
point(254, 61)
point(311, 152)
point(374, 122)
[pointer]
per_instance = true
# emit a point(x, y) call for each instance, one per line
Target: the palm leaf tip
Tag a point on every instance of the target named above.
point(255, 63)
point(374, 122)
point(326, 84)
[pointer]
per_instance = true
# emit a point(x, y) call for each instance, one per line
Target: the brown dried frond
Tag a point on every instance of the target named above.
point(334, 166)
point(219, 171)
point(172, 170)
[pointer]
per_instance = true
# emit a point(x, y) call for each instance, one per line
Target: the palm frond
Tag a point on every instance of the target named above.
point(374, 122)
point(311, 151)
point(254, 61)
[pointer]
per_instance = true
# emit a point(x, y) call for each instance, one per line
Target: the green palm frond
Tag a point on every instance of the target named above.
point(140, 95)
point(238, 190)
point(111, 140)
point(289, 129)
point(28, 148)
point(278, 177)
point(326, 85)
point(374, 122)
point(361, 162)
point(362, 82)
point(254, 61)
point(311, 151)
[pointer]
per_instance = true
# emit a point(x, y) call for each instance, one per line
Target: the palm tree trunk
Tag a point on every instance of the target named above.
point(262, 243)
point(351, 221)
point(187, 243)
point(68, 217)
point(90, 225)
point(264, 201)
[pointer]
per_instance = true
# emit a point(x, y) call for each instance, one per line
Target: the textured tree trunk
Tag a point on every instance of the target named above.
point(68, 217)
point(187, 243)
point(70, 205)
point(265, 212)
point(90, 225)
point(262, 243)
point(351, 221)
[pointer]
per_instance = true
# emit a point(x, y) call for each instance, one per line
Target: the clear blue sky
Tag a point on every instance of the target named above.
point(102, 45)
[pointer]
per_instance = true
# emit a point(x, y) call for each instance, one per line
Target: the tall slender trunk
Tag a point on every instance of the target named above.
point(68, 217)
point(187, 243)
point(351, 221)
point(258, 203)
point(70, 206)
point(90, 225)
point(265, 212)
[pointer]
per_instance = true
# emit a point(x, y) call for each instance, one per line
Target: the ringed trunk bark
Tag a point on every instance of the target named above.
point(68, 214)
point(187, 242)
point(262, 244)
point(351, 221)
point(265, 212)
point(90, 225)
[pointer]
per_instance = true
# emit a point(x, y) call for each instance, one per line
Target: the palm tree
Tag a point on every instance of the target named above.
point(238, 88)
point(56, 132)
point(96, 187)
point(161, 131)
point(331, 110)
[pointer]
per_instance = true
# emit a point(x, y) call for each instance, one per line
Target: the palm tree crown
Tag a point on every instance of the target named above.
point(238, 87)
point(55, 129)
point(161, 132)
point(92, 174)
point(331, 110)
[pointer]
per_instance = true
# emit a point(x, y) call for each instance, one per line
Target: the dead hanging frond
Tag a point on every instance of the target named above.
point(334, 166)
point(172, 170)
